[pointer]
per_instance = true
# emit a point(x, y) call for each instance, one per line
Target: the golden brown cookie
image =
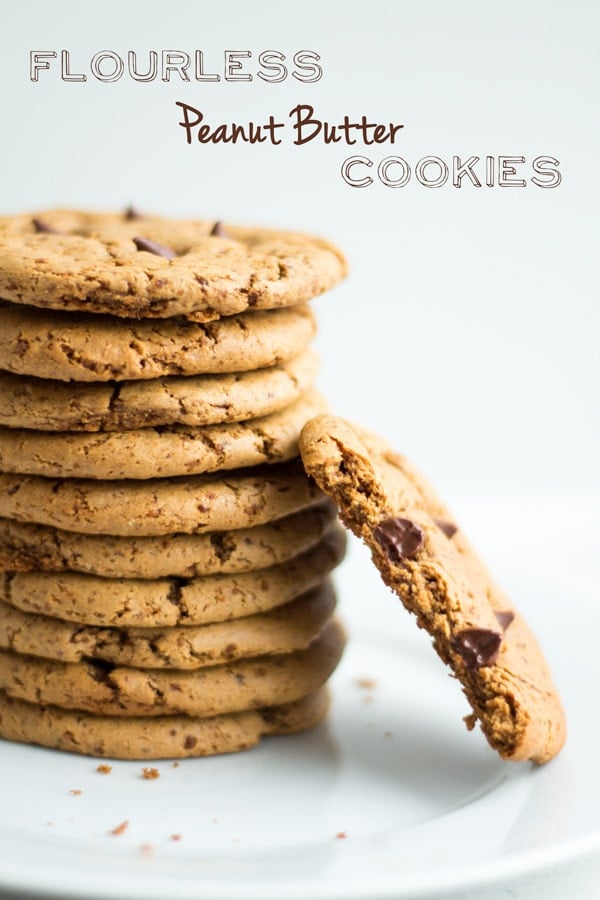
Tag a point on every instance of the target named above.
point(104, 689)
point(192, 505)
point(44, 405)
point(80, 347)
point(155, 267)
point(282, 630)
point(158, 452)
point(26, 547)
point(174, 737)
point(164, 603)
point(422, 555)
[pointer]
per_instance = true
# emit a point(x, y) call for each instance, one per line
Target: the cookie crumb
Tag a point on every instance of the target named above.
point(150, 774)
point(367, 684)
point(120, 829)
point(342, 835)
point(104, 769)
point(470, 721)
point(175, 837)
point(175, 765)
point(75, 792)
point(388, 734)
point(146, 850)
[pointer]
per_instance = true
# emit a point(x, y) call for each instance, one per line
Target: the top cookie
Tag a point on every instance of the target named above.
point(145, 266)
point(423, 556)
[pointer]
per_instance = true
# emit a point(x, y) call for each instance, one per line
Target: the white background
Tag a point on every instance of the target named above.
point(467, 331)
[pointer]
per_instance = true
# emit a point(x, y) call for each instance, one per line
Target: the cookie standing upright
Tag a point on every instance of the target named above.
point(423, 556)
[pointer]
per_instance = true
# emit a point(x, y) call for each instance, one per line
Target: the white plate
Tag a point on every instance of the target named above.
point(391, 798)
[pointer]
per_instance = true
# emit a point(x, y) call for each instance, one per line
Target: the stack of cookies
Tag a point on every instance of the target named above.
point(165, 560)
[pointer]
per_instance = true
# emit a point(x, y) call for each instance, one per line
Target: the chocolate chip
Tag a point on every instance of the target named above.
point(131, 214)
point(218, 230)
point(449, 528)
point(42, 227)
point(400, 538)
point(143, 243)
point(478, 646)
point(504, 618)
point(190, 742)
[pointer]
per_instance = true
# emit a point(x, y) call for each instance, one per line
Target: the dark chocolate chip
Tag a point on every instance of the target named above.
point(143, 243)
point(504, 618)
point(42, 227)
point(478, 646)
point(400, 538)
point(218, 230)
point(131, 214)
point(449, 528)
point(190, 742)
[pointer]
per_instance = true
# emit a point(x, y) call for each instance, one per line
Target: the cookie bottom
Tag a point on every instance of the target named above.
point(159, 738)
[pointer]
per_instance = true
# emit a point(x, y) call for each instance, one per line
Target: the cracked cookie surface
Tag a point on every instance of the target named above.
point(425, 559)
point(280, 630)
point(93, 600)
point(45, 405)
point(160, 506)
point(147, 266)
point(27, 547)
point(164, 452)
point(170, 737)
point(104, 689)
point(79, 347)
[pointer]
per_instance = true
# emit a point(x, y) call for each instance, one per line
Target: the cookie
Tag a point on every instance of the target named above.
point(165, 737)
point(281, 630)
point(164, 603)
point(192, 505)
point(26, 547)
point(158, 452)
point(80, 347)
point(44, 405)
point(100, 688)
point(148, 266)
point(426, 561)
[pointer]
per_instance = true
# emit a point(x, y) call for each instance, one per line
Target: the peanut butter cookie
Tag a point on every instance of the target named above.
point(171, 737)
point(423, 556)
point(149, 266)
